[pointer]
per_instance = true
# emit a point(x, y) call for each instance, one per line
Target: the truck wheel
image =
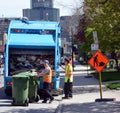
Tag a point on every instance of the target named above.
point(37, 98)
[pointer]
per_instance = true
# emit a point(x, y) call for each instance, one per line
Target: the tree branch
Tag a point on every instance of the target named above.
point(103, 2)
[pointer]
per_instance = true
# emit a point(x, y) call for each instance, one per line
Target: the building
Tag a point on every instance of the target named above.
point(65, 34)
point(41, 3)
point(4, 23)
point(45, 14)
point(42, 10)
point(3, 26)
point(69, 26)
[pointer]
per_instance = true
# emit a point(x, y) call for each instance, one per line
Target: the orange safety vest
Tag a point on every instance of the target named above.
point(48, 77)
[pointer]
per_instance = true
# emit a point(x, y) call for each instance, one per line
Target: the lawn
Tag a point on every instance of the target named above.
point(113, 85)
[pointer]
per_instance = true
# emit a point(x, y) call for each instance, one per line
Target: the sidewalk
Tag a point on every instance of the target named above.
point(85, 92)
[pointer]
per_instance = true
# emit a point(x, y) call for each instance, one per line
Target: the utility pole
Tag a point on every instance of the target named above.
point(72, 48)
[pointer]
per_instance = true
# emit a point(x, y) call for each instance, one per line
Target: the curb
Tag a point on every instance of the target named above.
point(59, 109)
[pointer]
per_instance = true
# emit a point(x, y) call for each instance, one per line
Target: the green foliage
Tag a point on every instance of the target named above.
point(86, 46)
point(104, 17)
point(113, 85)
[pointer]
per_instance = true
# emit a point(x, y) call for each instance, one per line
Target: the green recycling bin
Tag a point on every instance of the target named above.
point(33, 84)
point(20, 89)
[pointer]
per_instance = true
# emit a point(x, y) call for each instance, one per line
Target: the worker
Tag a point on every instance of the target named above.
point(47, 79)
point(68, 79)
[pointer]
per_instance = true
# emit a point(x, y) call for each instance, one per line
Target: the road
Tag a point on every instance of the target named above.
point(85, 91)
point(6, 107)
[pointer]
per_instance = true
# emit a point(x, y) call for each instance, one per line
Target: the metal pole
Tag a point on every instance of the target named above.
point(87, 69)
point(72, 58)
point(72, 49)
point(100, 84)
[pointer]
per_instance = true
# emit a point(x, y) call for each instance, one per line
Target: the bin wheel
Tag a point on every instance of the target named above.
point(27, 102)
point(37, 98)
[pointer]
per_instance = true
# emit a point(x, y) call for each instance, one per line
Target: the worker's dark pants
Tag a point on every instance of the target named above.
point(68, 89)
point(47, 94)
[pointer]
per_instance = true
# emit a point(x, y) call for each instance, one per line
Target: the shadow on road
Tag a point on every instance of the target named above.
point(31, 111)
point(3, 96)
point(94, 107)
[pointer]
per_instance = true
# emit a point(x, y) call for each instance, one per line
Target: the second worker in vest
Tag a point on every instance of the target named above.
point(47, 79)
point(68, 79)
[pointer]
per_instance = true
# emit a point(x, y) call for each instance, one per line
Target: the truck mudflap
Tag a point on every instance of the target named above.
point(8, 91)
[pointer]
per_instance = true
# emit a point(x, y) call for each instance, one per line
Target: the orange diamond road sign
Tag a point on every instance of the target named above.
point(98, 61)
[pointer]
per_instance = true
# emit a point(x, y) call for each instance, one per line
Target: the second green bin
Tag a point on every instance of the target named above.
point(33, 84)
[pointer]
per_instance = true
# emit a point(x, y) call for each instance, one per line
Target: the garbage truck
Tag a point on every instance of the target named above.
point(28, 43)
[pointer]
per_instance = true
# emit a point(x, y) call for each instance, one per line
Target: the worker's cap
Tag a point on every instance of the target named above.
point(46, 61)
point(66, 59)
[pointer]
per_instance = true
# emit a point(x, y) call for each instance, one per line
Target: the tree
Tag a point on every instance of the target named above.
point(103, 16)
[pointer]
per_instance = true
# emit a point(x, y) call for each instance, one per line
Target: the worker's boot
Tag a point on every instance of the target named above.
point(65, 97)
point(44, 101)
point(51, 99)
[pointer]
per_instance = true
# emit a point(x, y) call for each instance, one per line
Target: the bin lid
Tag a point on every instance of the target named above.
point(23, 74)
point(20, 76)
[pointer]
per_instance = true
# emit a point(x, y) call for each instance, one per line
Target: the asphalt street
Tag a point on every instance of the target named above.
point(85, 92)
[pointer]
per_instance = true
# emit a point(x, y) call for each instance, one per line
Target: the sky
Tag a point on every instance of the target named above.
point(13, 8)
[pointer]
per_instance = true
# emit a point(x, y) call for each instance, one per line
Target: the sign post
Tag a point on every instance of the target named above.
point(95, 37)
point(98, 61)
point(100, 84)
